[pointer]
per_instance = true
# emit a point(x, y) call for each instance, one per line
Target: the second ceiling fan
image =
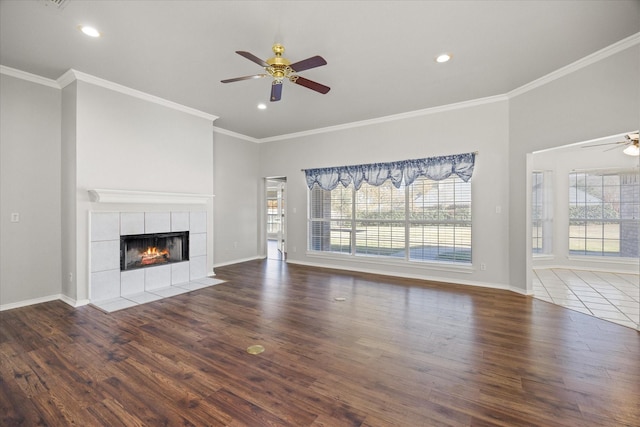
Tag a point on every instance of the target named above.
point(280, 68)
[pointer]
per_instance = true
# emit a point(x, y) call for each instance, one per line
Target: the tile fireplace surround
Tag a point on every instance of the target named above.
point(112, 289)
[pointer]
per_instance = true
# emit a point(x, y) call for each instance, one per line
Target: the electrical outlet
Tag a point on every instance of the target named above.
point(15, 217)
point(483, 266)
point(294, 249)
point(70, 277)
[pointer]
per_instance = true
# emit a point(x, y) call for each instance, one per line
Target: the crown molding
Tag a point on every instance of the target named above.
point(578, 65)
point(390, 118)
point(72, 75)
point(23, 75)
point(236, 135)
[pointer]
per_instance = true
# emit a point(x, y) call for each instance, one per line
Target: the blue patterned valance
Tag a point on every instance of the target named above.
point(435, 168)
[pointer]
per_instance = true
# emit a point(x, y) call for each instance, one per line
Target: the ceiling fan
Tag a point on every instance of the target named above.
point(280, 68)
point(630, 142)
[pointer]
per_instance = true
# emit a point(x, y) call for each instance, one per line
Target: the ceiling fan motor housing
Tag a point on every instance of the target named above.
point(279, 67)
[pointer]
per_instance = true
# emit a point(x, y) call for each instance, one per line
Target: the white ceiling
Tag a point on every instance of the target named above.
point(380, 54)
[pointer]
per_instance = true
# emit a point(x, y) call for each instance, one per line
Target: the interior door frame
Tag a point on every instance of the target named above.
point(282, 235)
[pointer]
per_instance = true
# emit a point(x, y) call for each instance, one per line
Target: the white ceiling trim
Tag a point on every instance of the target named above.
point(73, 75)
point(23, 75)
point(579, 64)
point(235, 134)
point(394, 117)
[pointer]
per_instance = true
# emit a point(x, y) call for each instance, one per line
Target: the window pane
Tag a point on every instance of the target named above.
point(380, 238)
point(330, 219)
point(593, 246)
point(607, 205)
point(577, 229)
point(383, 202)
point(440, 220)
point(437, 242)
point(577, 246)
point(330, 236)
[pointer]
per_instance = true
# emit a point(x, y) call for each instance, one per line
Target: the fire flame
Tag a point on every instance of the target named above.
point(153, 256)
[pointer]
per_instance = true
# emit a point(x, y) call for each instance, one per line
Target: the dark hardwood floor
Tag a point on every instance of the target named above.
point(396, 352)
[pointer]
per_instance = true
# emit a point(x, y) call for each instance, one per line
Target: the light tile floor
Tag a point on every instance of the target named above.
point(127, 301)
point(610, 296)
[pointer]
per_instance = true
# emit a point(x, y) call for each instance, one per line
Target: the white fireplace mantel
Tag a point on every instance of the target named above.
point(148, 197)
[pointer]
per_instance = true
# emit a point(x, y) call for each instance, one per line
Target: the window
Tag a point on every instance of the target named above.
point(541, 213)
point(273, 216)
point(603, 213)
point(426, 221)
point(331, 220)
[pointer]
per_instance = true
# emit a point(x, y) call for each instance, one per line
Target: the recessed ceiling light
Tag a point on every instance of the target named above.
point(444, 57)
point(262, 106)
point(90, 31)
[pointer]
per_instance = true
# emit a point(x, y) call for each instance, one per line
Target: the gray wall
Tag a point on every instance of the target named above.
point(68, 195)
point(237, 204)
point(482, 127)
point(599, 100)
point(30, 261)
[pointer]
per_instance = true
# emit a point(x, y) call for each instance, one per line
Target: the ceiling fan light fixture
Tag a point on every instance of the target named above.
point(443, 57)
point(632, 150)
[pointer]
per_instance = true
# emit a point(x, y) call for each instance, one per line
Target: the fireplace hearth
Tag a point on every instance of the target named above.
point(148, 250)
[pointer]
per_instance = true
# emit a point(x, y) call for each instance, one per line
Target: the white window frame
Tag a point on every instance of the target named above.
point(603, 219)
point(544, 195)
point(321, 245)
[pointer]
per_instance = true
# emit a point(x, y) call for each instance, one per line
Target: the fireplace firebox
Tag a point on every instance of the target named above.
point(148, 250)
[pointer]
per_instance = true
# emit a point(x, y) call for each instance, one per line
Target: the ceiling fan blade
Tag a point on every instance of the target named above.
point(305, 64)
point(237, 79)
point(276, 91)
point(252, 57)
point(310, 84)
point(606, 143)
point(617, 147)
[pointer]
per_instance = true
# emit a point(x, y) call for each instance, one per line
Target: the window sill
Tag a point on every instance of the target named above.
point(438, 266)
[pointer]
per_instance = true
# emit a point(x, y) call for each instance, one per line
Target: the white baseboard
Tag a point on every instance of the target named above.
point(238, 261)
point(49, 298)
point(414, 276)
point(74, 303)
point(28, 302)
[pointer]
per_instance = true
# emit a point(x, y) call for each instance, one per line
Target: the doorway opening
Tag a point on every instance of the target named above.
point(584, 207)
point(276, 218)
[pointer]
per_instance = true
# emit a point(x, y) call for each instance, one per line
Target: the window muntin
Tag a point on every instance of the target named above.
point(603, 213)
point(429, 221)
